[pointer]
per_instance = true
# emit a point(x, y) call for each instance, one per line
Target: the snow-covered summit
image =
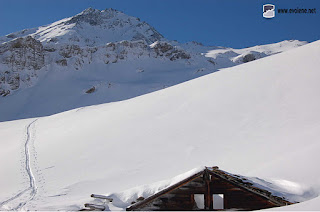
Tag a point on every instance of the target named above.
point(92, 27)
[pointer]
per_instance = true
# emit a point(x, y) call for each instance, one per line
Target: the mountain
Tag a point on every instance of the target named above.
point(91, 27)
point(103, 56)
point(258, 119)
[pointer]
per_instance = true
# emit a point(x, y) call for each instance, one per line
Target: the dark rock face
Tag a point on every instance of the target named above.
point(248, 58)
point(178, 54)
point(14, 81)
point(91, 90)
point(161, 48)
point(18, 55)
point(23, 53)
point(49, 49)
point(62, 62)
point(75, 55)
point(4, 92)
point(70, 50)
point(118, 51)
point(211, 61)
point(172, 52)
point(124, 49)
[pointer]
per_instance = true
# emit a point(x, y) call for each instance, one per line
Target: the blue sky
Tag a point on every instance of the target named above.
point(231, 23)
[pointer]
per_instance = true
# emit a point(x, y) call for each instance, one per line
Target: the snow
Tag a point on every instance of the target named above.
point(121, 199)
point(292, 191)
point(78, 55)
point(63, 87)
point(310, 205)
point(92, 27)
point(60, 89)
point(258, 119)
point(227, 57)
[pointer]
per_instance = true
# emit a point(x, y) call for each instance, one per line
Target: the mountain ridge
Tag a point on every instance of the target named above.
point(91, 27)
point(106, 52)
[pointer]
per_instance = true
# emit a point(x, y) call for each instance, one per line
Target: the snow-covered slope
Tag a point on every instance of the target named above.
point(227, 57)
point(257, 119)
point(111, 55)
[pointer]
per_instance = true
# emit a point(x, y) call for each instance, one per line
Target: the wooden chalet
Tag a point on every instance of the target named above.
point(210, 189)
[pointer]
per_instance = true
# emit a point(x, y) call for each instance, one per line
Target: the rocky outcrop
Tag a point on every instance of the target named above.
point(68, 51)
point(123, 50)
point(126, 50)
point(19, 59)
point(75, 56)
point(167, 50)
point(62, 62)
point(23, 53)
point(248, 58)
point(91, 90)
point(161, 48)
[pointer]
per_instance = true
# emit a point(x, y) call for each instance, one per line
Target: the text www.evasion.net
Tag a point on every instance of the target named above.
point(298, 10)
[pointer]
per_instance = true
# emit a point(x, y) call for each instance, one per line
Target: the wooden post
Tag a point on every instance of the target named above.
point(210, 197)
point(210, 194)
point(207, 196)
point(225, 201)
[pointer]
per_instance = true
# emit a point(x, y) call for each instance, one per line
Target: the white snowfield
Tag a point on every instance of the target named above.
point(258, 119)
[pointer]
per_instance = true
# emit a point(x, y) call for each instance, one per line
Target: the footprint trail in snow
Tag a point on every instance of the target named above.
point(18, 201)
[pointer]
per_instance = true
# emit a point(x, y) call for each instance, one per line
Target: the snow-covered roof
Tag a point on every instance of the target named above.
point(235, 180)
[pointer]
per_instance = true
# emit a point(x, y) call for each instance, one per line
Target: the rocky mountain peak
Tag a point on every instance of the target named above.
point(96, 17)
point(89, 10)
point(91, 27)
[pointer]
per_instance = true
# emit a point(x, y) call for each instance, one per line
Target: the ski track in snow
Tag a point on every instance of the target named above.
point(32, 189)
